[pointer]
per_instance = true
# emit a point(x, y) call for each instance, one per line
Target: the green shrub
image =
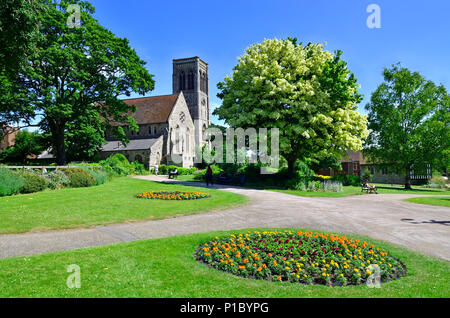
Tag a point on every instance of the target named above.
point(437, 181)
point(138, 168)
point(348, 180)
point(79, 177)
point(117, 165)
point(33, 183)
point(164, 170)
point(294, 184)
point(10, 183)
point(57, 180)
point(99, 176)
point(331, 186)
point(366, 175)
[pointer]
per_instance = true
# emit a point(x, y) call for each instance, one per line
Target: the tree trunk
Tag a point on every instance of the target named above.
point(58, 135)
point(408, 178)
point(291, 168)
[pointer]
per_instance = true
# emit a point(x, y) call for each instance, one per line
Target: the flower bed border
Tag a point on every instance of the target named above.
point(401, 270)
point(173, 195)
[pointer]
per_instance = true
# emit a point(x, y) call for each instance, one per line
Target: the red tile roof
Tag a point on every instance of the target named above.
point(152, 110)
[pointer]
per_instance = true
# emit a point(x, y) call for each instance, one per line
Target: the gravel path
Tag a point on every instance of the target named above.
point(384, 217)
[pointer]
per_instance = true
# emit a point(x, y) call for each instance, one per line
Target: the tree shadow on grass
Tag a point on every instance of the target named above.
point(413, 189)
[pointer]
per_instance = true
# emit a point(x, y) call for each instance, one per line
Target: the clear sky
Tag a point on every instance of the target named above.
point(413, 32)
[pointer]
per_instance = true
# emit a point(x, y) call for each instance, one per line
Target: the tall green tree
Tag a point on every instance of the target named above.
point(304, 90)
point(409, 122)
point(76, 71)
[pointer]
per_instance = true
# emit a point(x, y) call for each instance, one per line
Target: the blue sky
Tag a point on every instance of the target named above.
point(415, 33)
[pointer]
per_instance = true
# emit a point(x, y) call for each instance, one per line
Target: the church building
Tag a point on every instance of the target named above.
point(170, 126)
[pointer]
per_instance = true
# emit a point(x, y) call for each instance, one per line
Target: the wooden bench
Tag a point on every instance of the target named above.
point(369, 189)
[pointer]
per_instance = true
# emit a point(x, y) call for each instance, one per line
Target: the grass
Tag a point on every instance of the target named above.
point(382, 189)
point(348, 190)
point(440, 201)
point(166, 268)
point(112, 202)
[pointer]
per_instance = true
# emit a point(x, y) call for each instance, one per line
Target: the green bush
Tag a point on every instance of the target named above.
point(331, 186)
point(348, 180)
point(294, 184)
point(10, 183)
point(117, 165)
point(139, 168)
point(99, 176)
point(57, 180)
point(33, 183)
point(366, 175)
point(437, 181)
point(79, 177)
point(164, 169)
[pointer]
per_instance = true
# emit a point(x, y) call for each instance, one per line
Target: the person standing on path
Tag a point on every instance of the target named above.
point(156, 169)
point(209, 176)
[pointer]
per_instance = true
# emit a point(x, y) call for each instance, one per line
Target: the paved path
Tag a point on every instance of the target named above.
point(384, 216)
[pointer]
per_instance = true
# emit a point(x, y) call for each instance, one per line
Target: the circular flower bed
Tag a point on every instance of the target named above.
point(173, 195)
point(303, 257)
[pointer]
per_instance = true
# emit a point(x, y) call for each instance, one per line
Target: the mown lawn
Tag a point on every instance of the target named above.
point(382, 189)
point(441, 201)
point(112, 202)
point(166, 268)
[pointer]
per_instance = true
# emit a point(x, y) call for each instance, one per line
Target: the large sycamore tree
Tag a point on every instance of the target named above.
point(74, 78)
point(409, 122)
point(304, 90)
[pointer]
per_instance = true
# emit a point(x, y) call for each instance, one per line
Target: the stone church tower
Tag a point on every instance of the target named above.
point(190, 75)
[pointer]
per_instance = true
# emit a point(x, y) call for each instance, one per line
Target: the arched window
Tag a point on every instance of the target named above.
point(203, 82)
point(188, 138)
point(182, 81)
point(177, 146)
point(191, 80)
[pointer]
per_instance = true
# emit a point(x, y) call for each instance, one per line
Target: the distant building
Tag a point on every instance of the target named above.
point(354, 163)
point(7, 135)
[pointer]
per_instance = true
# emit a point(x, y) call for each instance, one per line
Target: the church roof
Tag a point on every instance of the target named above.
point(152, 110)
point(135, 144)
